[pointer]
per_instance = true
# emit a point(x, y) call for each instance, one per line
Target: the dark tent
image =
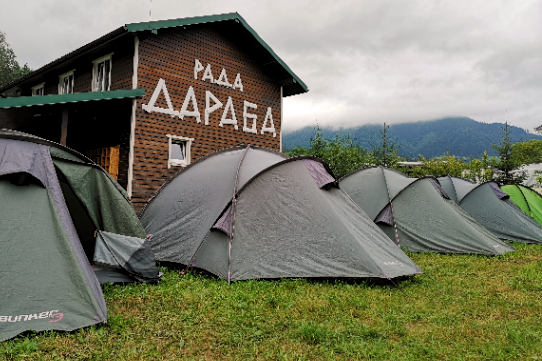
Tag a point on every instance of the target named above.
point(527, 199)
point(249, 213)
point(417, 214)
point(60, 211)
point(493, 209)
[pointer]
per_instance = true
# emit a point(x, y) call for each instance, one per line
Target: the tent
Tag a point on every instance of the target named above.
point(54, 202)
point(251, 213)
point(527, 199)
point(493, 209)
point(417, 214)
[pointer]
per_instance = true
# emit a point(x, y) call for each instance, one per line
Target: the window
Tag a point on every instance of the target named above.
point(101, 74)
point(179, 151)
point(38, 89)
point(65, 83)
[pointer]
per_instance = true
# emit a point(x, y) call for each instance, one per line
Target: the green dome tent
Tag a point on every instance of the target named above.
point(527, 199)
point(54, 201)
point(417, 214)
point(493, 209)
point(250, 213)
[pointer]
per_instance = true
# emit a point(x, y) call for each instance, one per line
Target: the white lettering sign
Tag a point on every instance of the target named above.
point(247, 116)
point(269, 118)
point(228, 114)
point(208, 108)
point(190, 97)
point(160, 87)
point(233, 119)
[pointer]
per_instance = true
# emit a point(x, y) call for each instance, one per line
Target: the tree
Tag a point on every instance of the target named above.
point(317, 143)
point(340, 153)
point(9, 67)
point(507, 165)
point(386, 153)
point(479, 170)
point(444, 165)
point(344, 157)
point(528, 152)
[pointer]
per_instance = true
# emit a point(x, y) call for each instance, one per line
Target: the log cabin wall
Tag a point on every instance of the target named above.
point(171, 55)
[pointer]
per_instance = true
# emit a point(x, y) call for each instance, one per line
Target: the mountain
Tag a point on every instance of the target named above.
point(462, 137)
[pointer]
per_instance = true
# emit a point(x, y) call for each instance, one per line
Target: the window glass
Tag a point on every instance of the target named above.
point(102, 74)
point(178, 149)
point(66, 83)
point(38, 90)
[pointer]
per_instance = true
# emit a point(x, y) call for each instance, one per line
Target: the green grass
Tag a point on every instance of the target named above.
point(472, 308)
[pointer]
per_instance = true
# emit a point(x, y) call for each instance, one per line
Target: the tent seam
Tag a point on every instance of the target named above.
point(391, 206)
point(234, 207)
point(525, 198)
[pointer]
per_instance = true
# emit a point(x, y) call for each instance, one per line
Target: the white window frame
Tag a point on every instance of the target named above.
point(61, 82)
point(96, 63)
point(188, 145)
point(37, 88)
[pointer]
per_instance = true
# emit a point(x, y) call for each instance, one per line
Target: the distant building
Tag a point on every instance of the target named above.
point(411, 164)
point(149, 98)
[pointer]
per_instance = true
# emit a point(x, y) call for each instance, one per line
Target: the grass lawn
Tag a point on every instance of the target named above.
point(472, 308)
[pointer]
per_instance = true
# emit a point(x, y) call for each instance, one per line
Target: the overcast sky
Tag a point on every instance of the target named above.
point(363, 61)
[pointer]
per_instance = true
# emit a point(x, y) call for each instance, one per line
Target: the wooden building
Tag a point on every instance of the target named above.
point(149, 98)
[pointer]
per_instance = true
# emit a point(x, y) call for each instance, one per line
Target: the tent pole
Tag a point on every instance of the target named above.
point(233, 205)
point(391, 207)
point(453, 186)
point(526, 201)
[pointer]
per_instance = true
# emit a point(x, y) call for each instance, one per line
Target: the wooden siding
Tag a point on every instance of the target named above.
point(91, 125)
point(121, 71)
point(171, 56)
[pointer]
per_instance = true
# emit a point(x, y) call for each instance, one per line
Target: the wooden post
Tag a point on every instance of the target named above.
point(64, 127)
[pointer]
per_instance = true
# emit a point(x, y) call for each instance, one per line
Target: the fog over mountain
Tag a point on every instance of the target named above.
point(364, 61)
point(463, 137)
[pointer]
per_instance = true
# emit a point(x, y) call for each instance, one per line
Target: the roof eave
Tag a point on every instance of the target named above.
point(294, 84)
point(20, 102)
point(71, 55)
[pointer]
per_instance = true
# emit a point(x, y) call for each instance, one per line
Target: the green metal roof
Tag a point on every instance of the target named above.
point(18, 102)
point(292, 84)
point(164, 24)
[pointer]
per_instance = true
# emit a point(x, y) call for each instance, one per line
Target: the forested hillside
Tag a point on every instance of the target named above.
point(462, 137)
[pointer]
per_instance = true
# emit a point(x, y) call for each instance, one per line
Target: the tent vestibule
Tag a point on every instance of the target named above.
point(287, 218)
point(423, 218)
point(55, 202)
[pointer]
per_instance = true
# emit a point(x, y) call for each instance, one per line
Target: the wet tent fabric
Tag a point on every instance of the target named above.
point(182, 212)
point(47, 237)
point(527, 199)
point(289, 220)
point(97, 202)
point(45, 277)
point(417, 214)
point(493, 209)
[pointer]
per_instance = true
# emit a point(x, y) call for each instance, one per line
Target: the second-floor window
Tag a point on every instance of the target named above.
point(38, 89)
point(101, 74)
point(65, 83)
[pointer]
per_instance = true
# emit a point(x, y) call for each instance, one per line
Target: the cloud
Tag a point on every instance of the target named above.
point(363, 61)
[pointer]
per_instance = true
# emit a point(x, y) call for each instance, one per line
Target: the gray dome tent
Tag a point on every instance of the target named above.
point(417, 214)
point(53, 201)
point(493, 209)
point(287, 219)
